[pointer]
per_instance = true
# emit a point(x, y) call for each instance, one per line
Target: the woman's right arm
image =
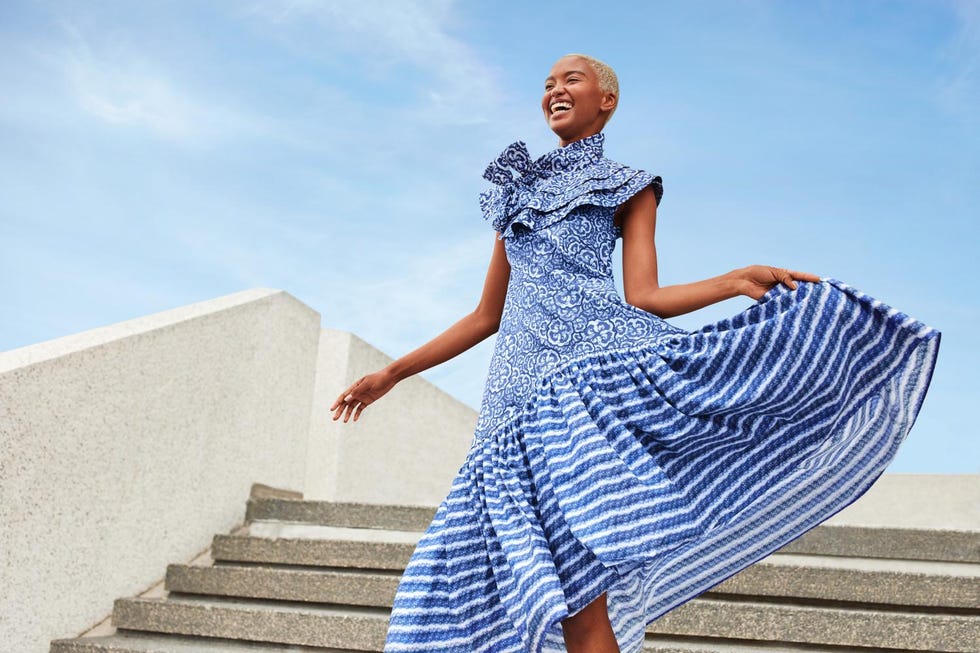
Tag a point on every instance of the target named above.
point(472, 329)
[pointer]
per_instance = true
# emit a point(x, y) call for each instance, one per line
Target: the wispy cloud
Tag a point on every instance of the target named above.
point(959, 90)
point(387, 36)
point(123, 86)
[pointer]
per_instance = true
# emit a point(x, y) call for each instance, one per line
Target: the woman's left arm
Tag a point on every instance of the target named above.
point(642, 289)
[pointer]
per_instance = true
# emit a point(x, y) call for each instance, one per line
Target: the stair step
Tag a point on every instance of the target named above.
point(893, 543)
point(127, 641)
point(793, 577)
point(313, 585)
point(837, 578)
point(827, 626)
point(340, 552)
point(330, 513)
point(826, 539)
point(329, 626)
point(859, 580)
point(665, 644)
point(294, 530)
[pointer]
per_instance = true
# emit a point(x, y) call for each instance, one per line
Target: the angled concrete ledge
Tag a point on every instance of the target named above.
point(76, 343)
point(125, 447)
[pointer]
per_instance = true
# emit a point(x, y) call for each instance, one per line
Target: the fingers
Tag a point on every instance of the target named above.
point(354, 408)
point(803, 276)
point(782, 275)
point(789, 277)
point(348, 408)
point(345, 407)
point(341, 402)
point(344, 396)
point(346, 403)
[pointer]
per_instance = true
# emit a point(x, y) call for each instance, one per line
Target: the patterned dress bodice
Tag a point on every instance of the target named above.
point(557, 224)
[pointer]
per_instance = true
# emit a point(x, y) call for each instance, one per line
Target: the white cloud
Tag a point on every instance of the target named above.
point(121, 86)
point(132, 99)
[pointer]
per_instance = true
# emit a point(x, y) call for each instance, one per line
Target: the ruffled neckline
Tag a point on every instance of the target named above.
point(515, 161)
point(537, 194)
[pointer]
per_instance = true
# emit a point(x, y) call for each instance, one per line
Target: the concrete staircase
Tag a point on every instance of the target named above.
point(317, 576)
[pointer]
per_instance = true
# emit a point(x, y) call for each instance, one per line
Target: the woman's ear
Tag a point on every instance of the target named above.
point(609, 101)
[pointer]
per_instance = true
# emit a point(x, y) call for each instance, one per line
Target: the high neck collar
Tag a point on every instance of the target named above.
point(574, 156)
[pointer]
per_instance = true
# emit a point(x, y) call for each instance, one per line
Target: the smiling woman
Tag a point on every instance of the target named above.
point(580, 96)
point(622, 465)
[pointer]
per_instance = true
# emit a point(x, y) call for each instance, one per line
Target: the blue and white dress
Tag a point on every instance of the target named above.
point(615, 452)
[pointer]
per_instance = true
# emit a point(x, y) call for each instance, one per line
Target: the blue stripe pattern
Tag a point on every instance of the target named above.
point(657, 465)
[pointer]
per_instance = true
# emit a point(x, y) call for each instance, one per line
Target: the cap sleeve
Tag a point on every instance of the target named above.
point(658, 188)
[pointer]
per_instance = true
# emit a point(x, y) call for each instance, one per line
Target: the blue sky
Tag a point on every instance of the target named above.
point(156, 154)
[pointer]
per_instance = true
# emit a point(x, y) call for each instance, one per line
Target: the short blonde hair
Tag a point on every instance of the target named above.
point(608, 82)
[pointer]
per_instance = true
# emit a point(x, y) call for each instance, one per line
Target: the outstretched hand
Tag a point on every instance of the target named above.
point(756, 280)
point(363, 392)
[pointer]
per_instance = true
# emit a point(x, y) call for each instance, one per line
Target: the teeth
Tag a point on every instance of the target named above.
point(560, 106)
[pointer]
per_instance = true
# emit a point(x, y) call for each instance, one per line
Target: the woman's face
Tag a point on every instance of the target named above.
point(573, 104)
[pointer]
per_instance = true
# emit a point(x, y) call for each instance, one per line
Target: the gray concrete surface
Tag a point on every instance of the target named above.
point(326, 626)
point(126, 447)
point(330, 581)
point(948, 502)
point(830, 626)
point(405, 448)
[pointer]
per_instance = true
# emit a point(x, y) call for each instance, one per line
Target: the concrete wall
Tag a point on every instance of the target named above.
point(127, 447)
point(405, 448)
point(920, 501)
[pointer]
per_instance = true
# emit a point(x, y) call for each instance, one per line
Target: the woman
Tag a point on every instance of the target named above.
point(622, 465)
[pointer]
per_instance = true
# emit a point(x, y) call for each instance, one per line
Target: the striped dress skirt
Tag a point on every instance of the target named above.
point(650, 463)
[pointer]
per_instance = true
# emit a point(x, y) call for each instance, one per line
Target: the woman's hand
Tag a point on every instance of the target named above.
point(363, 392)
point(756, 280)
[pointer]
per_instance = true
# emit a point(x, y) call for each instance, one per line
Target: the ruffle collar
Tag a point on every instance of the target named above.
point(515, 164)
point(538, 193)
